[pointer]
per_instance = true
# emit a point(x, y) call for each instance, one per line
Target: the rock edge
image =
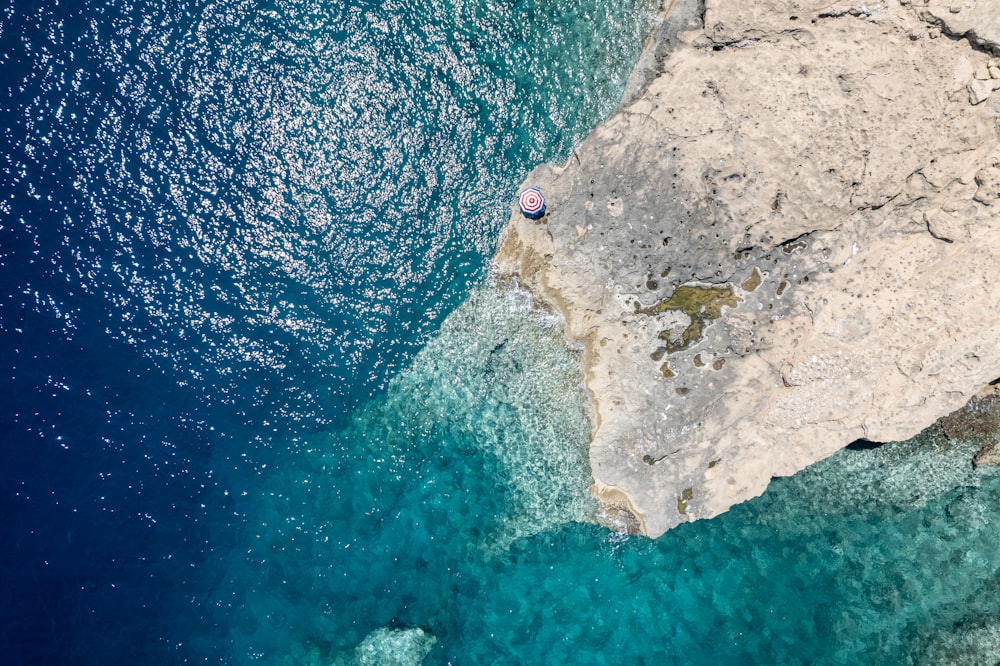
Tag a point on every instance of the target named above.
point(783, 241)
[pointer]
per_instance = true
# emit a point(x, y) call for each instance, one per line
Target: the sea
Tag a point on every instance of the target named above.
point(264, 402)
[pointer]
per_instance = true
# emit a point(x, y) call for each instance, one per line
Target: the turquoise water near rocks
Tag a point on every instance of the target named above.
point(463, 515)
point(264, 404)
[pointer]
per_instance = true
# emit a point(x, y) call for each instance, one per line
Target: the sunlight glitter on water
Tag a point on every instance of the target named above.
point(228, 232)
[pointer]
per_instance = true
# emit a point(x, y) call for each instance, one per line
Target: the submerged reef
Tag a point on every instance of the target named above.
point(780, 243)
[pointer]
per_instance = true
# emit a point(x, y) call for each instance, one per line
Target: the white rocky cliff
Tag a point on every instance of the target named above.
point(787, 239)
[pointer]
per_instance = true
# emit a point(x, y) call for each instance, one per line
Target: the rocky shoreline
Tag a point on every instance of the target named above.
point(783, 241)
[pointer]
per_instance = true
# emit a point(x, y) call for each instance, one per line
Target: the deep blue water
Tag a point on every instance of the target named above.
point(262, 402)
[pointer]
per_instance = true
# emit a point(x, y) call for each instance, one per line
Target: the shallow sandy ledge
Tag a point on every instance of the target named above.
point(785, 240)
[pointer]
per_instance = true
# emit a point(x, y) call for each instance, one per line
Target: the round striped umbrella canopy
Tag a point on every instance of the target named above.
point(531, 202)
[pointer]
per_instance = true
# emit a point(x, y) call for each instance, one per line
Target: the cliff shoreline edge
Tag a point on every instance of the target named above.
point(782, 241)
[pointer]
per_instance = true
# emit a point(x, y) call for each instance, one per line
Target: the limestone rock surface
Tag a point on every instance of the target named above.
point(989, 456)
point(788, 239)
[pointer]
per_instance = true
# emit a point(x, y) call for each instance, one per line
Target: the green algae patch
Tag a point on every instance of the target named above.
point(701, 304)
point(682, 501)
point(697, 301)
point(752, 282)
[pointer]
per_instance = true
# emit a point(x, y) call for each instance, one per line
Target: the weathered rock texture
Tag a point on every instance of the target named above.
point(978, 420)
point(786, 241)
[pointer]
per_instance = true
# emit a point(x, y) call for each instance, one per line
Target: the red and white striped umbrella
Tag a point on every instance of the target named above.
point(531, 202)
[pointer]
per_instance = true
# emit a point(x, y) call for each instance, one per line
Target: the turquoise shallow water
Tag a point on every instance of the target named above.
point(263, 404)
point(456, 505)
